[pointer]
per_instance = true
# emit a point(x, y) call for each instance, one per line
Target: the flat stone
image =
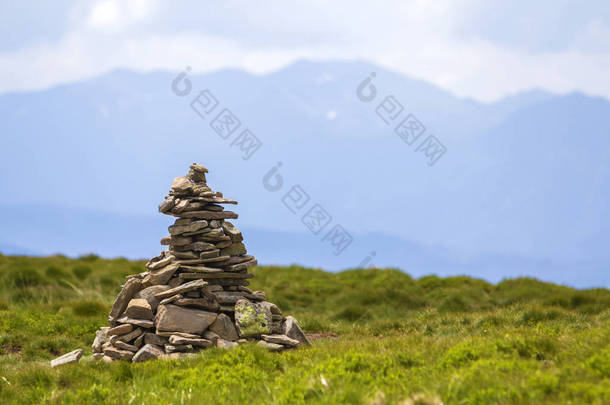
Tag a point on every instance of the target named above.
point(209, 214)
point(139, 308)
point(171, 299)
point(160, 276)
point(196, 247)
point(131, 287)
point(252, 319)
point(107, 359)
point(235, 249)
point(193, 226)
point(143, 323)
point(224, 327)
point(174, 318)
point(147, 352)
point(97, 356)
point(186, 255)
point(225, 344)
point(211, 336)
point(241, 266)
point(153, 339)
point(223, 244)
point(179, 240)
point(118, 354)
point(216, 275)
point(280, 340)
point(181, 334)
point(159, 262)
point(167, 204)
point(179, 340)
point(128, 337)
point(139, 340)
point(292, 329)
point(120, 329)
point(182, 185)
point(231, 231)
point(178, 348)
point(177, 356)
point(204, 303)
point(72, 357)
point(193, 285)
point(200, 269)
point(101, 335)
point(125, 346)
point(273, 347)
point(272, 308)
point(149, 295)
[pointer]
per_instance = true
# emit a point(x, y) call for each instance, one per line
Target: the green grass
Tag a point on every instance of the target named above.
point(456, 339)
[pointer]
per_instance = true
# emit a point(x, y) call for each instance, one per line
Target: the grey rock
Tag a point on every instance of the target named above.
point(131, 287)
point(153, 339)
point(192, 285)
point(231, 231)
point(125, 346)
point(139, 340)
point(149, 295)
point(98, 356)
point(160, 276)
point(225, 344)
point(181, 334)
point(178, 348)
point(72, 357)
point(292, 329)
point(179, 340)
point(211, 336)
point(273, 347)
point(120, 330)
point(143, 323)
point(118, 354)
point(280, 340)
point(224, 327)
point(128, 337)
point(171, 299)
point(101, 335)
point(235, 249)
point(193, 226)
point(139, 308)
point(147, 352)
point(160, 261)
point(174, 318)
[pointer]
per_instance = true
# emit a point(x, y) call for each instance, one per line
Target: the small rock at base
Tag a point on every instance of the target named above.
point(280, 340)
point(273, 347)
point(118, 353)
point(72, 357)
point(292, 329)
point(225, 344)
point(147, 352)
point(224, 328)
point(179, 340)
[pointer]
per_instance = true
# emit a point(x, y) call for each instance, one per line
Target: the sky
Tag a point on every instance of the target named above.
point(480, 49)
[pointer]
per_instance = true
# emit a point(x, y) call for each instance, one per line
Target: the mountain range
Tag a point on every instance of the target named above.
point(522, 189)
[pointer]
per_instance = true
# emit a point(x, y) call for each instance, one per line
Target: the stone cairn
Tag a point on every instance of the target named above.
point(194, 295)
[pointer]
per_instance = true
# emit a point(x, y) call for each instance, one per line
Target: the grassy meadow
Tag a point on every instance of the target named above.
point(382, 337)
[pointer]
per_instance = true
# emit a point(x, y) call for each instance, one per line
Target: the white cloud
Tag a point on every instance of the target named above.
point(418, 38)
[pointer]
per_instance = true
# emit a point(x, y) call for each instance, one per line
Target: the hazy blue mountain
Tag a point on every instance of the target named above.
point(522, 188)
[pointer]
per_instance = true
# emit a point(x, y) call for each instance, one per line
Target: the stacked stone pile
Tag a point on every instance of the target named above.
point(195, 294)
